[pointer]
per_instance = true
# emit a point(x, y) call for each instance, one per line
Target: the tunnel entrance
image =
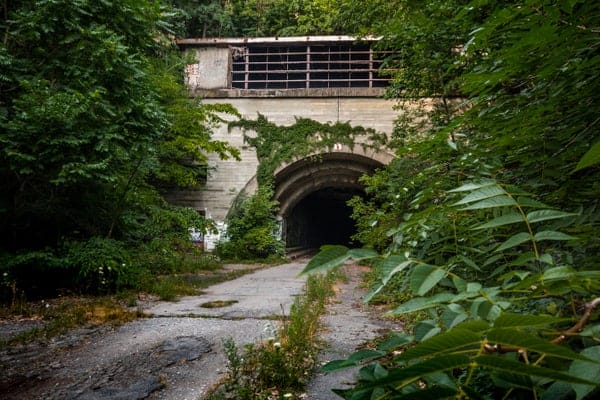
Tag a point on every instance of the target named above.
point(313, 195)
point(322, 217)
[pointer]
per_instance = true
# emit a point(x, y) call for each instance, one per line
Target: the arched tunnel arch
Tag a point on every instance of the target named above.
point(313, 192)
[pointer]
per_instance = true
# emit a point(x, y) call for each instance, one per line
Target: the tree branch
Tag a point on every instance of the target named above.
point(578, 327)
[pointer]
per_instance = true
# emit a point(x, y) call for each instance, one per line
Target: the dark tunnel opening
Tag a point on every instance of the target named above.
point(322, 217)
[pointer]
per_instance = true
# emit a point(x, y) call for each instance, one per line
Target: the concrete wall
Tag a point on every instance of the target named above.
point(229, 177)
point(211, 71)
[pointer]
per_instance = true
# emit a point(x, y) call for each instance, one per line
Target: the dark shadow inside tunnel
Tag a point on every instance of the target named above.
point(313, 193)
point(322, 217)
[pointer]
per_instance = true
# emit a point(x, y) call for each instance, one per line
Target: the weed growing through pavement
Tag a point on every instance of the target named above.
point(280, 366)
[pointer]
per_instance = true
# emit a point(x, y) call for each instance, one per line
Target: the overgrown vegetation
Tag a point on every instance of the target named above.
point(280, 366)
point(488, 219)
point(258, 18)
point(60, 315)
point(96, 124)
point(252, 230)
point(277, 144)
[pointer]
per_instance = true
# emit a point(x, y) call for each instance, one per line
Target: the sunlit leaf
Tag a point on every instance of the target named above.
point(329, 257)
point(473, 186)
point(481, 194)
point(362, 254)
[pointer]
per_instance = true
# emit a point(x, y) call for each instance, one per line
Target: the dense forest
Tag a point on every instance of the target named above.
point(486, 226)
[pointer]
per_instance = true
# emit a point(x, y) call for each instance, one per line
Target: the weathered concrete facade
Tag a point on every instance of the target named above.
point(338, 169)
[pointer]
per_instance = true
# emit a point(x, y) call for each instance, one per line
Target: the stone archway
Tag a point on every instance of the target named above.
point(312, 193)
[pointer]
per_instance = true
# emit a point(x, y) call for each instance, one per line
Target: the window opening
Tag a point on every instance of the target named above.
point(306, 66)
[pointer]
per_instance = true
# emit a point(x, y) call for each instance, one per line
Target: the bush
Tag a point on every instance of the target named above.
point(102, 265)
point(252, 229)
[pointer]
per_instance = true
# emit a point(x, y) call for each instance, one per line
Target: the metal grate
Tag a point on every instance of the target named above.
point(306, 66)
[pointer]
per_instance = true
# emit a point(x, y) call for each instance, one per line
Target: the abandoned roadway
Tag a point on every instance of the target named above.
point(176, 353)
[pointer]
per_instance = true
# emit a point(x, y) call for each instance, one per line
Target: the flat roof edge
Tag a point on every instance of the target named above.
point(286, 93)
point(273, 40)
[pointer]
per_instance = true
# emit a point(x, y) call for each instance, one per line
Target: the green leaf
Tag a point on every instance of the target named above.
point(544, 215)
point(470, 263)
point(405, 376)
point(354, 359)
point(562, 272)
point(511, 320)
point(498, 201)
point(453, 318)
point(422, 303)
point(432, 392)
point(552, 235)
point(424, 330)
point(591, 157)
point(328, 258)
point(514, 240)
point(502, 220)
point(518, 338)
point(586, 370)
point(481, 194)
point(518, 368)
point(396, 339)
point(529, 202)
point(390, 266)
point(450, 341)
point(425, 277)
point(362, 254)
point(473, 186)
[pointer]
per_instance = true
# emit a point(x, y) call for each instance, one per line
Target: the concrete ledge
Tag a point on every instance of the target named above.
point(265, 93)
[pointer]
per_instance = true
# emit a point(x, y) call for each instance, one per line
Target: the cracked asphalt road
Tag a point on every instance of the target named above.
point(175, 354)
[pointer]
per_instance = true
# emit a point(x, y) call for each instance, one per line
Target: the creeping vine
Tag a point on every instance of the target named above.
point(276, 144)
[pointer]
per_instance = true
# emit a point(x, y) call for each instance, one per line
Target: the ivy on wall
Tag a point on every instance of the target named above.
point(277, 144)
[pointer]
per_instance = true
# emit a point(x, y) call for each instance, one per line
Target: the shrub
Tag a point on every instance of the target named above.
point(252, 229)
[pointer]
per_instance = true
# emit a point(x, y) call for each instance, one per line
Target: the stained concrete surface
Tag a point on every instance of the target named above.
point(177, 353)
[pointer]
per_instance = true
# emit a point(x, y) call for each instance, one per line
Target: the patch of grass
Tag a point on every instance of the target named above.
point(280, 366)
point(64, 314)
point(218, 303)
point(171, 287)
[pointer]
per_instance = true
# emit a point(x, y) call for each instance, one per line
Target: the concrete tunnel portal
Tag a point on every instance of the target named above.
point(312, 194)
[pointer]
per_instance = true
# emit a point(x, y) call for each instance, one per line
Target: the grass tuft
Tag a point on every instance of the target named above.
point(280, 367)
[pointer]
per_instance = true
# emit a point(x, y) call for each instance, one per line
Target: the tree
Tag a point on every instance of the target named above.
point(92, 110)
point(498, 232)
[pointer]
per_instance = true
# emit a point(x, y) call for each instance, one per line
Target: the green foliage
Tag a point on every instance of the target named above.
point(277, 144)
point(501, 271)
point(473, 319)
point(252, 229)
point(283, 362)
point(95, 123)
